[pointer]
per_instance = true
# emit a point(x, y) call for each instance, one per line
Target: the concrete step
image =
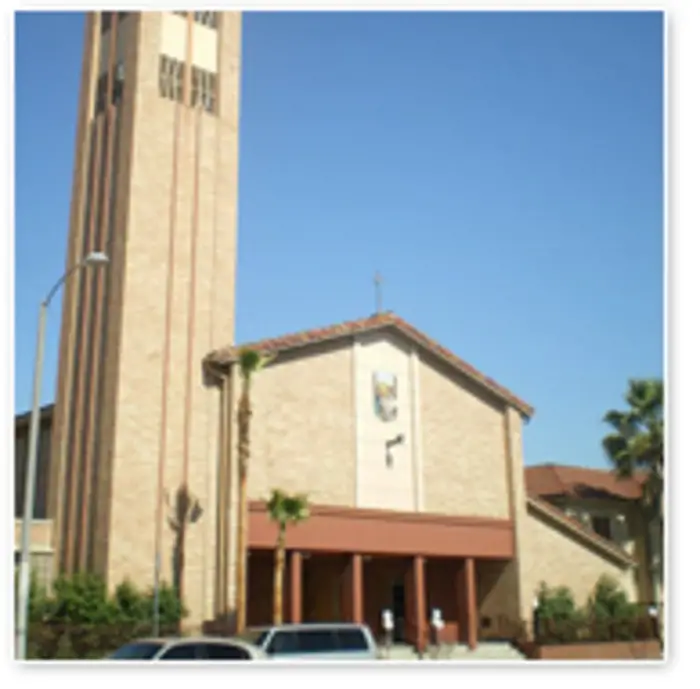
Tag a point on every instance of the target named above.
point(488, 651)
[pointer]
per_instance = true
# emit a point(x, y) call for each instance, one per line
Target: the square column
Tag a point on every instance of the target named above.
point(353, 597)
point(418, 595)
point(466, 598)
point(295, 587)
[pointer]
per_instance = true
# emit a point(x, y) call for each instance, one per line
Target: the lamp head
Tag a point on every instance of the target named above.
point(96, 258)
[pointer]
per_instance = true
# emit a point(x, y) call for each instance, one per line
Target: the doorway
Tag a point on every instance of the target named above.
point(398, 610)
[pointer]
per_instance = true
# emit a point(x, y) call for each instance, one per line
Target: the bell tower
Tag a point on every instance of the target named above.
point(155, 187)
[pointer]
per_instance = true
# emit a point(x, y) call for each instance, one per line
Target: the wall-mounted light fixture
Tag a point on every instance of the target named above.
point(398, 440)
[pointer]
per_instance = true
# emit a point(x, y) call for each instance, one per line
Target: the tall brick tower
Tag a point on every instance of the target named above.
point(155, 187)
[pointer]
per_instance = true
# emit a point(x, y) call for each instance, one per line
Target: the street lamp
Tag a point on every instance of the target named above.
point(95, 258)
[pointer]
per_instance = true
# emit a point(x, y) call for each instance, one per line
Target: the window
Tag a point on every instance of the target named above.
point(101, 94)
point(182, 652)
point(316, 641)
point(118, 83)
point(145, 650)
point(206, 19)
point(170, 78)
point(117, 88)
point(284, 643)
point(106, 20)
point(226, 652)
point(351, 640)
point(203, 91)
point(602, 526)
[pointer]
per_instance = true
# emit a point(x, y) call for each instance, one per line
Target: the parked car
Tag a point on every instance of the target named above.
point(323, 641)
point(188, 649)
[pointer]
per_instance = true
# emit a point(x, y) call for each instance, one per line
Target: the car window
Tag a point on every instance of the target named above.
point(316, 641)
point(226, 652)
point(144, 650)
point(351, 640)
point(181, 652)
point(283, 643)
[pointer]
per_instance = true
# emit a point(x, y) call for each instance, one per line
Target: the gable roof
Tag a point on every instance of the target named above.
point(227, 355)
point(552, 480)
point(590, 537)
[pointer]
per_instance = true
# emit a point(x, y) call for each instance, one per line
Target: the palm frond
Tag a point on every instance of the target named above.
point(252, 361)
point(284, 508)
point(637, 445)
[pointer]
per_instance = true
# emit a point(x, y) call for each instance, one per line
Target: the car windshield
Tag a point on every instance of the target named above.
point(140, 650)
point(255, 637)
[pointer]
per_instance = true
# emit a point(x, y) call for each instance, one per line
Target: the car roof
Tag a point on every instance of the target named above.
point(190, 639)
point(307, 625)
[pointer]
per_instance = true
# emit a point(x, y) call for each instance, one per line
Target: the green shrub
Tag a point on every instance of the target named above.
point(79, 619)
point(612, 616)
point(607, 616)
point(559, 621)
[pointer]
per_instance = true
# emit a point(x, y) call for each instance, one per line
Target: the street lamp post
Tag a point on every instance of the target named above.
point(96, 258)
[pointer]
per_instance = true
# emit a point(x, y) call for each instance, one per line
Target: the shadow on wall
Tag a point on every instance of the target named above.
point(185, 509)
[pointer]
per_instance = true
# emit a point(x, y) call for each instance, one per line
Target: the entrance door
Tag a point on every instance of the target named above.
point(398, 609)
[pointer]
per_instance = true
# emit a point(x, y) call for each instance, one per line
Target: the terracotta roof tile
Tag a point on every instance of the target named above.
point(549, 480)
point(227, 355)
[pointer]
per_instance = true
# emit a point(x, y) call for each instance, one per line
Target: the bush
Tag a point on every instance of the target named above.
point(79, 619)
point(608, 616)
point(611, 615)
point(557, 619)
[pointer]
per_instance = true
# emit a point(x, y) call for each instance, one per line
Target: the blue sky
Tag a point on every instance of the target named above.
point(503, 171)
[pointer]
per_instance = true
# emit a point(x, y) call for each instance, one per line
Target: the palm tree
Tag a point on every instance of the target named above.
point(637, 443)
point(637, 447)
point(249, 363)
point(283, 509)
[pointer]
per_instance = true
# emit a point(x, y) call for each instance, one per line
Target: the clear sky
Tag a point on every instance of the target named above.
point(503, 171)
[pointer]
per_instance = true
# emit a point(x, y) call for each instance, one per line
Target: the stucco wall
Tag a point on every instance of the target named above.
point(622, 516)
point(553, 555)
point(464, 462)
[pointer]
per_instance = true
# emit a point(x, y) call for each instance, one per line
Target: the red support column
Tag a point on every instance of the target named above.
point(295, 566)
point(352, 590)
point(357, 589)
point(466, 600)
point(419, 597)
point(472, 612)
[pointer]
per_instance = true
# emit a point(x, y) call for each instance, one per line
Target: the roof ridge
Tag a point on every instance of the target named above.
point(226, 356)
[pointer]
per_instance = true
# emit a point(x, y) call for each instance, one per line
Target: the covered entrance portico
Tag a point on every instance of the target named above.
point(349, 565)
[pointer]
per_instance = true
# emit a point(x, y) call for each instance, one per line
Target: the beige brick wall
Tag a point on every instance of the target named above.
point(138, 419)
point(303, 428)
point(551, 554)
point(464, 463)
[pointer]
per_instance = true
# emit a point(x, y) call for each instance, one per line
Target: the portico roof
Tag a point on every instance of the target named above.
point(227, 356)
